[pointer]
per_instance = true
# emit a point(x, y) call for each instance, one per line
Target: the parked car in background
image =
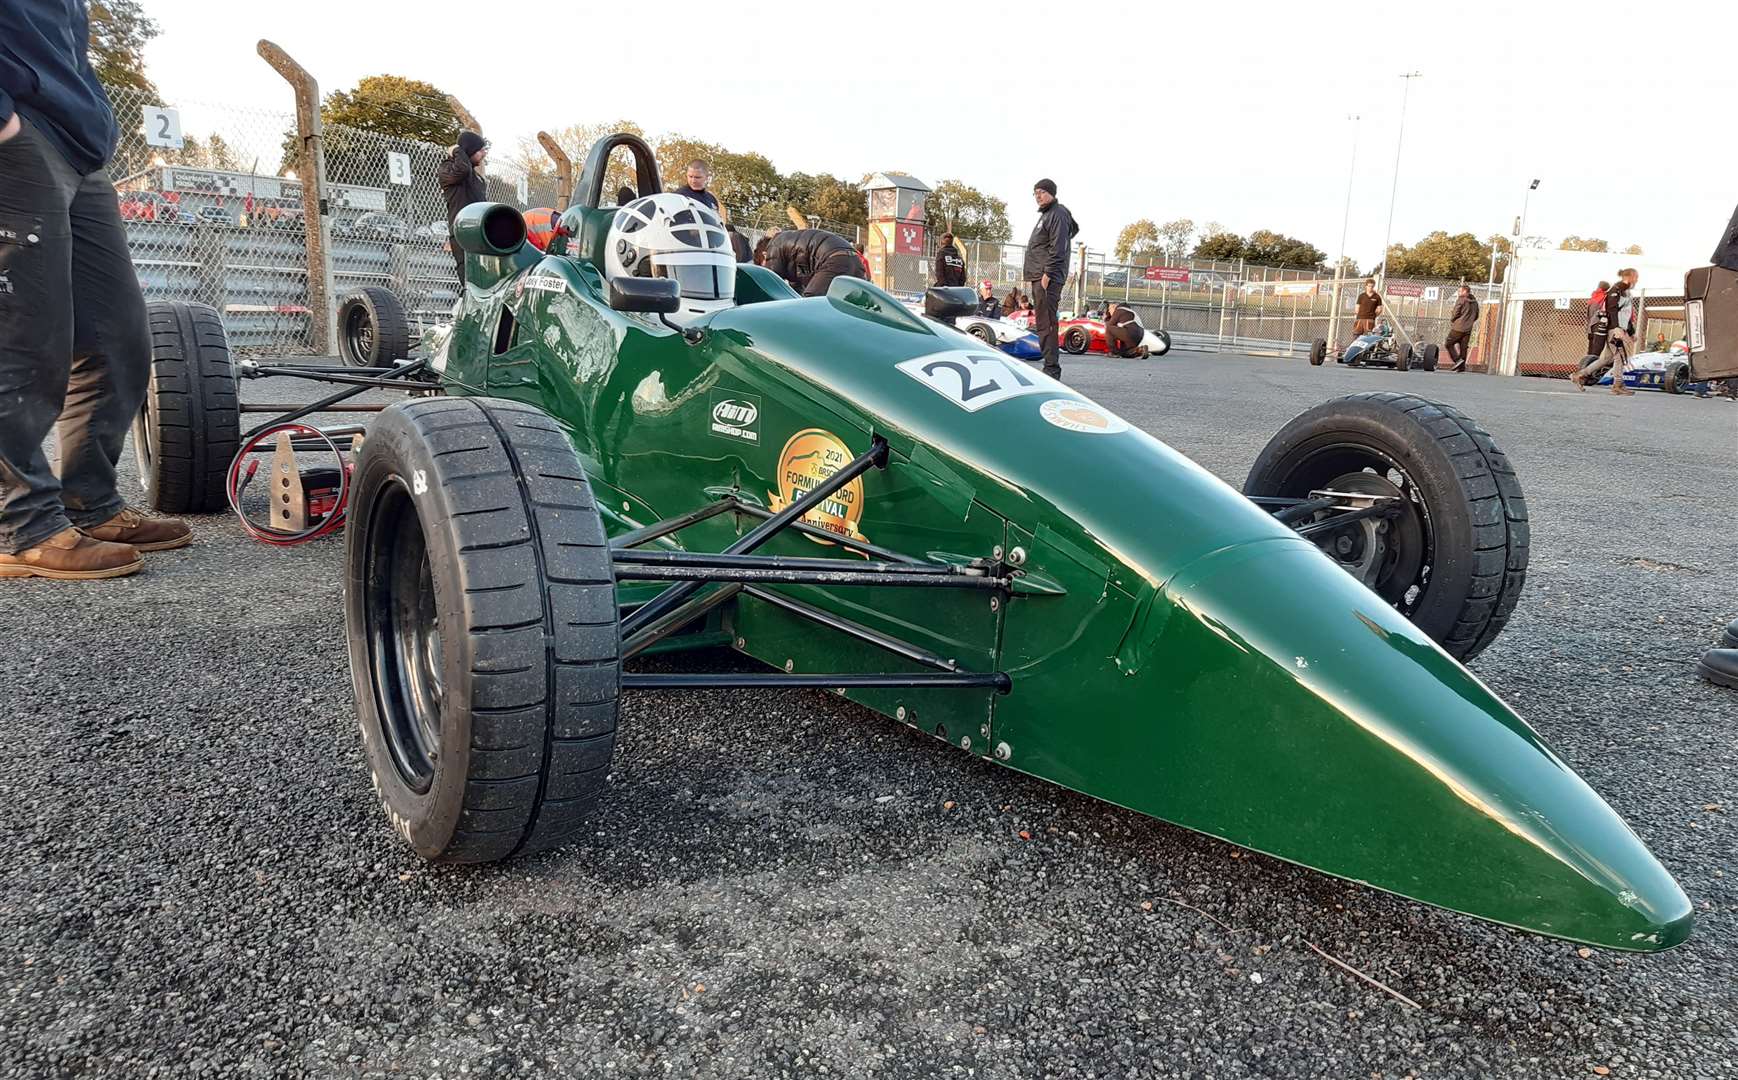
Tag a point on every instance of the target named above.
point(435, 231)
point(213, 215)
point(280, 217)
point(145, 206)
point(380, 225)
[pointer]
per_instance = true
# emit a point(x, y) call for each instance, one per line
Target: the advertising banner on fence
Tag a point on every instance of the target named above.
point(1404, 288)
point(1166, 273)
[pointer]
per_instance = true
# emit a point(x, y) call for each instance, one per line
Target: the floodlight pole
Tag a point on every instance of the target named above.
point(1345, 226)
point(1394, 189)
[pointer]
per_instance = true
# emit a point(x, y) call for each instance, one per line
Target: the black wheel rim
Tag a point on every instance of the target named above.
point(358, 336)
point(1402, 569)
point(404, 637)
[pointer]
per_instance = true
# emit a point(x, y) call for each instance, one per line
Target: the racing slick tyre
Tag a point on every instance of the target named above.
point(1076, 340)
point(1403, 357)
point(982, 333)
point(1675, 379)
point(1431, 354)
point(1455, 559)
point(1164, 337)
point(1318, 352)
point(372, 328)
point(479, 604)
point(189, 425)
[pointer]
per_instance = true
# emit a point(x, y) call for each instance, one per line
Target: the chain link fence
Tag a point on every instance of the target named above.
point(213, 215)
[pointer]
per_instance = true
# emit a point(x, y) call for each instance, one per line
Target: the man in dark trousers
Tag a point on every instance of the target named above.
point(1460, 326)
point(75, 350)
point(1046, 267)
point(461, 181)
point(811, 258)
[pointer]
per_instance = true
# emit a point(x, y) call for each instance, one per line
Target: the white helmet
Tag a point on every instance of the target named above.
point(670, 235)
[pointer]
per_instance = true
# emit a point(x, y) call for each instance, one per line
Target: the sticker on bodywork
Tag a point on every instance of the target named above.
point(975, 380)
point(735, 416)
point(808, 460)
point(1070, 414)
point(543, 283)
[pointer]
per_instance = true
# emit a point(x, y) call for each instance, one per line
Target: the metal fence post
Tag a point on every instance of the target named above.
point(563, 168)
point(322, 311)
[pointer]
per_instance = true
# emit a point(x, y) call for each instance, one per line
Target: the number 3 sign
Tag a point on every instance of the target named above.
point(162, 126)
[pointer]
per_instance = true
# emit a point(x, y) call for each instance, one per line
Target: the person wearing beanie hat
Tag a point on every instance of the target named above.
point(461, 183)
point(1046, 268)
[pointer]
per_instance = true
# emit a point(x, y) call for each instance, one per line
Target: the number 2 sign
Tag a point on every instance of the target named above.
point(974, 380)
point(162, 126)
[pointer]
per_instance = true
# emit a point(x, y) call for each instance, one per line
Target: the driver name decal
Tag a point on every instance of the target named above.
point(807, 460)
point(975, 380)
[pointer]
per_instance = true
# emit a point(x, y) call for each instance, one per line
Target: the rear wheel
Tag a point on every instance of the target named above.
point(372, 328)
point(189, 426)
point(1076, 340)
point(1164, 339)
point(982, 333)
point(480, 610)
point(1318, 352)
point(1432, 353)
point(1403, 357)
point(1455, 560)
point(1676, 378)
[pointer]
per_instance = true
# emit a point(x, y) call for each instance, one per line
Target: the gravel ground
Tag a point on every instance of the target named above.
point(197, 882)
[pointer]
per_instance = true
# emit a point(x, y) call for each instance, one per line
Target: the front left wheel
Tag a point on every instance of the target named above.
point(1076, 340)
point(479, 604)
point(1455, 558)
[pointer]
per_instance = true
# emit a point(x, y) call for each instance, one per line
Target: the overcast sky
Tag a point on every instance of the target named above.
point(1230, 112)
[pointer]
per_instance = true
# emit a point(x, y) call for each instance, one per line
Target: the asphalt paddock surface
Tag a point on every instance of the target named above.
point(195, 880)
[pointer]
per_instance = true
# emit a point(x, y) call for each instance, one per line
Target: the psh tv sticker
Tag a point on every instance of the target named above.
point(1071, 415)
point(807, 461)
point(735, 416)
point(973, 380)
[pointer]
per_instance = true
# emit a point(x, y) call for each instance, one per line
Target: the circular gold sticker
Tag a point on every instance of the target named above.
point(1073, 415)
point(808, 459)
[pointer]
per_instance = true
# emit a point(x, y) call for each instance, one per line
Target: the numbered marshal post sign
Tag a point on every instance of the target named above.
point(162, 127)
point(976, 380)
point(398, 168)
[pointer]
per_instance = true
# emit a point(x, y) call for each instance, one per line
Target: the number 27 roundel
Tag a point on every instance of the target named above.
point(973, 380)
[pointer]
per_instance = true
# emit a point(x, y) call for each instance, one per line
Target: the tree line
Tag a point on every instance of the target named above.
point(1456, 257)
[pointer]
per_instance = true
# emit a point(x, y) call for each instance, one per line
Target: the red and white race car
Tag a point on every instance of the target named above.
point(1086, 334)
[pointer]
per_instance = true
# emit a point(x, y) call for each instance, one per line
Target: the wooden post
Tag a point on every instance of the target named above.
point(322, 309)
point(563, 169)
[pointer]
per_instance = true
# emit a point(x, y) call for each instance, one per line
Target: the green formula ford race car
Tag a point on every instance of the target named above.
point(628, 443)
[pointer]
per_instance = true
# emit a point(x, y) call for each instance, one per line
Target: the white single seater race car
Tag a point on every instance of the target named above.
point(1004, 334)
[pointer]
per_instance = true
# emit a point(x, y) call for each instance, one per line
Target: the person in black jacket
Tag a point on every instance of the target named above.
point(950, 262)
point(1047, 268)
point(75, 348)
point(462, 184)
point(811, 258)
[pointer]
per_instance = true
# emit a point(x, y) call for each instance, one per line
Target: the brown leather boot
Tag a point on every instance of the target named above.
point(144, 533)
point(1617, 387)
point(1578, 379)
point(69, 555)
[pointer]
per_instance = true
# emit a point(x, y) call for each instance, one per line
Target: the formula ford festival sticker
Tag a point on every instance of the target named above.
point(808, 459)
point(735, 416)
point(1071, 415)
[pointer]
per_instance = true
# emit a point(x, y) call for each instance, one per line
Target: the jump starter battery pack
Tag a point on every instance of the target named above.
point(1711, 322)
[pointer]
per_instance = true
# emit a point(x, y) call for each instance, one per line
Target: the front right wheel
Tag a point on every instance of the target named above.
point(1455, 558)
point(1076, 340)
point(480, 609)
